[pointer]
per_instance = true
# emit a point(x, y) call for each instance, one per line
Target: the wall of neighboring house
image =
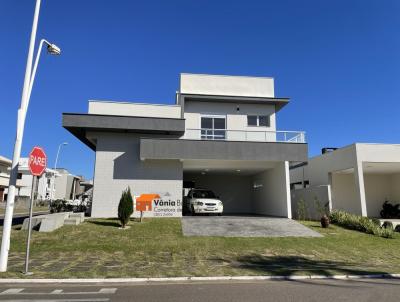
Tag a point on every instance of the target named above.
point(271, 194)
point(26, 186)
point(4, 178)
point(395, 183)
point(343, 187)
point(118, 166)
point(320, 166)
point(60, 186)
point(378, 188)
point(307, 199)
point(344, 194)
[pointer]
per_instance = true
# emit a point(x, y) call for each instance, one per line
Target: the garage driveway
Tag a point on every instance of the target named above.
point(244, 226)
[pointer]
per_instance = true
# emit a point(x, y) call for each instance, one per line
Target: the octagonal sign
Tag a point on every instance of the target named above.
point(37, 161)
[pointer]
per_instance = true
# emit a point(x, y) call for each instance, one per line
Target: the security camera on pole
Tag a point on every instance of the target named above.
point(26, 92)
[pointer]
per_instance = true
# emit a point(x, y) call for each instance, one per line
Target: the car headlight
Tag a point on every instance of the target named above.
point(199, 203)
point(220, 203)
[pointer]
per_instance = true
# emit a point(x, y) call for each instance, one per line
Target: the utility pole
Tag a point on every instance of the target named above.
point(5, 242)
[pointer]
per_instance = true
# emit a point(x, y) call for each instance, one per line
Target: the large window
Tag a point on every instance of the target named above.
point(258, 121)
point(213, 127)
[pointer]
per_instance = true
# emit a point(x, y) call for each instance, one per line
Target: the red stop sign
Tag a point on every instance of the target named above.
point(37, 161)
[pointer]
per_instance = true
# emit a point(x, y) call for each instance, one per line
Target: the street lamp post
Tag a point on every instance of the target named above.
point(26, 92)
point(55, 169)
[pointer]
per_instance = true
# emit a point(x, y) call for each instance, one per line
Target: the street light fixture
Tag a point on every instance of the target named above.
point(26, 93)
point(53, 49)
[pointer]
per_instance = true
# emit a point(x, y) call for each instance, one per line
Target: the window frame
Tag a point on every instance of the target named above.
point(268, 120)
point(210, 133)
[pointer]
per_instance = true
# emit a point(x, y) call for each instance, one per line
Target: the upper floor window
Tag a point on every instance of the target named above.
point(213, 127)
point(258, 120)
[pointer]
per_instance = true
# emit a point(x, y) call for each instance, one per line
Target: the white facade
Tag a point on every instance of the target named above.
point(207, 84)
point(361, 176)
point(66, 186)
point(43, 187)
point(5, 165)
point(134, 109)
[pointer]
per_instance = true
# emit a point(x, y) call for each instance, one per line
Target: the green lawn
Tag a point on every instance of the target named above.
point(156, 248)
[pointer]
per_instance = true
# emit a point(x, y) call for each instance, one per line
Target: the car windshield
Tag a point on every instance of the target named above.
point(203, 194)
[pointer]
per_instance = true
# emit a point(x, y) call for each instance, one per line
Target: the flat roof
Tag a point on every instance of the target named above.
point(79, 123)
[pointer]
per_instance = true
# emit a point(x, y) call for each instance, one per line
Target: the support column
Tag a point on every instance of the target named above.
point(288, 196)
point(360, 189)
point(330, 191)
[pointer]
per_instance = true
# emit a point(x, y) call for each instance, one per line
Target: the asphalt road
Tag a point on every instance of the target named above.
point(309, 290)
point(19, 218)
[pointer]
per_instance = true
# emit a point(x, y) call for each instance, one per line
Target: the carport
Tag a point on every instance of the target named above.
point(379, 182)
point(245, 187)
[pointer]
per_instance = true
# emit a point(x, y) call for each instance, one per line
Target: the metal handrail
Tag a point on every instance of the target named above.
point(245, 135)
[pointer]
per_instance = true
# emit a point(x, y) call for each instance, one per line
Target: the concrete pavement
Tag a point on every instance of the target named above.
point(296, 290)
point(244, 226)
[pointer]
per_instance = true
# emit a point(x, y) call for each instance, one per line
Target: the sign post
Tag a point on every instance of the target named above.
point(37, 163)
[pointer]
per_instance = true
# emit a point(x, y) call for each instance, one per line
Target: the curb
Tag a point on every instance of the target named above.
point(194, 279)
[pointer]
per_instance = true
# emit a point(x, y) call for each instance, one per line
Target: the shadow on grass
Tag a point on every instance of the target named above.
point(113, 223)
point(293, 265)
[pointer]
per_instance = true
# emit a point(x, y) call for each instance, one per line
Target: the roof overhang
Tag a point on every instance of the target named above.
point(279, 103)
point(79, 124)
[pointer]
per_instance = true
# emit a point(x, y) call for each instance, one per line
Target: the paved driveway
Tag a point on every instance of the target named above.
point(244, 226)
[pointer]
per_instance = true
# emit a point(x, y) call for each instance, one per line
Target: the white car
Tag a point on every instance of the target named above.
point(201, 201)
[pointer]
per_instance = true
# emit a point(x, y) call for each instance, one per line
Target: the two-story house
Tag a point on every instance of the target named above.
point(220, 134)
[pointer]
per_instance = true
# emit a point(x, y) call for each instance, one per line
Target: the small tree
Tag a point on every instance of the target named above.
point(302, 210)
point(125, 207)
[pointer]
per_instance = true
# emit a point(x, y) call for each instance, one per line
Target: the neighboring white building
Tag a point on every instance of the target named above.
point(360, 177)
point(43, 187)
point(5, 165)
point(220, 134)
point(67, 185)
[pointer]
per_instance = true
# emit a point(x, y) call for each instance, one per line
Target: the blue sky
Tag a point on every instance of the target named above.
point(338, 61)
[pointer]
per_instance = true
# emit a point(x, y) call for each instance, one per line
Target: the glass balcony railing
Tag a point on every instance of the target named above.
point(246, 136)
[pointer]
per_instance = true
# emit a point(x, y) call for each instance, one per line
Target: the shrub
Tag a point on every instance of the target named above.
point(397, 228)
point(125, 207)
point(301, 210)
point(62, 205)
point(387, 225)
point(389, 210)
point(59, 205)
point(376, 221)
point(321, 209)
point(359, 223)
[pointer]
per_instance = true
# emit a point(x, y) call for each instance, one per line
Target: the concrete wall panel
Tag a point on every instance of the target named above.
point(227, 85)
point(134, 109)
point(271, 194)
point(118, 166)
point(344, 195)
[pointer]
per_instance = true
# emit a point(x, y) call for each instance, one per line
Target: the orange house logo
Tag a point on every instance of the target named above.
point(145, 202)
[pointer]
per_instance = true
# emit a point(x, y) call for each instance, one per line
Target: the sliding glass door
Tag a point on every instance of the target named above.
point(213, 127)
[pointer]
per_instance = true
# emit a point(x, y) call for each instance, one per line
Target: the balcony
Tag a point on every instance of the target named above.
point(245, 136)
